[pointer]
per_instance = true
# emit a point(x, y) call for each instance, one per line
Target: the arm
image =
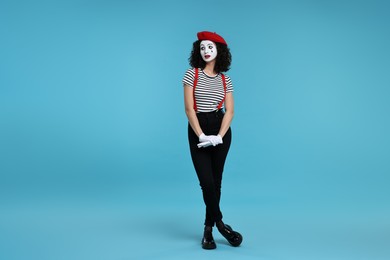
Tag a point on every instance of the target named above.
point(190, 112)
point(229, 113)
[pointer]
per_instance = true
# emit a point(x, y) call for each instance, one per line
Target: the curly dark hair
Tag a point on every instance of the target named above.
point(222, 62)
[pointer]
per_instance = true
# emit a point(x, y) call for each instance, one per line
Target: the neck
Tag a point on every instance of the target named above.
point(209, 69)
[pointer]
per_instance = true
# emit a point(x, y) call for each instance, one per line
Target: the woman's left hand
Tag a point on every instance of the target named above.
point(216, 140)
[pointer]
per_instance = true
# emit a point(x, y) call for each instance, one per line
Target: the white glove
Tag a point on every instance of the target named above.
point(203, 138)
point(204, 144)
point(216, 139)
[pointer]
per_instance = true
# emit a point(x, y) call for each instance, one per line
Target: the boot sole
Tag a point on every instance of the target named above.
point(208, 247)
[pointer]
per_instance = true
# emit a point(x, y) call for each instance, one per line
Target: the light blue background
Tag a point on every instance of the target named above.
point(93, 146)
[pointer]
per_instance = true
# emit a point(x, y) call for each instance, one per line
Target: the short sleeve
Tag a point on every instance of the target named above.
point(229, 84)
point(189, 77)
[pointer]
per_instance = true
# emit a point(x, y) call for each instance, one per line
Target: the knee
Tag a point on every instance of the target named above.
point(208, 187)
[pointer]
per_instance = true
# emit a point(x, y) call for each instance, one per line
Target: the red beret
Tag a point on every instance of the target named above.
point(211, 36)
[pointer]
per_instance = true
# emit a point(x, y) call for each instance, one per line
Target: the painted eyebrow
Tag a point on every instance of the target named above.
point(209, 44)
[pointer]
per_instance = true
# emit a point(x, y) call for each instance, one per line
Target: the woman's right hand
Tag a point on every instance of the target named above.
point(204, 141)
point(204, 138)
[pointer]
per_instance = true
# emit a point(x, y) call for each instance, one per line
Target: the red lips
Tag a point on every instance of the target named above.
point(207, 56)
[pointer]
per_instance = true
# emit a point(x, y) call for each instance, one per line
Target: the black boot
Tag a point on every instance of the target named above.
point(233, 237)
point(208, 240)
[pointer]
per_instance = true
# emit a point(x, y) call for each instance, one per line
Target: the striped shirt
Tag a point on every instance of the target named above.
point(209, 91)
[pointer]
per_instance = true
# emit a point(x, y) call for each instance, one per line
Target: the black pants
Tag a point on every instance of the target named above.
point(209, 163)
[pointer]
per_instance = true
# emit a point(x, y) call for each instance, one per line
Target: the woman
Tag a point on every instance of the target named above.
point(209, 106)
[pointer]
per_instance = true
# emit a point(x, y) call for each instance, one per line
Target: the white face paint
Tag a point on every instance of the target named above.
point(208, 50)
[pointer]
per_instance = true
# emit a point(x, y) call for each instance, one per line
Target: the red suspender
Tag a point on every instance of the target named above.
point(193, 88)
point(196, 82)
point(224, 90)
